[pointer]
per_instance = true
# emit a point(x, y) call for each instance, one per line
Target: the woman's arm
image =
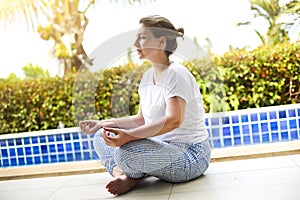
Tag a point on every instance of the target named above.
point(173, 118)
point(125, 122)
point(91, 126)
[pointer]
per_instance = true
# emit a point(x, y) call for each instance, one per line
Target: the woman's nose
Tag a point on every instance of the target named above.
point(137, 43)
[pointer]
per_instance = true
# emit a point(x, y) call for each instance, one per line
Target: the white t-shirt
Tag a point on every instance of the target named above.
point(175, 81)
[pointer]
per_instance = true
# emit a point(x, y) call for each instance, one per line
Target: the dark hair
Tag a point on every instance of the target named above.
point(161, 26)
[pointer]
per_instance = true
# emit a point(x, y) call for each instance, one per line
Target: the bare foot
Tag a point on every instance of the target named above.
point(121, 184)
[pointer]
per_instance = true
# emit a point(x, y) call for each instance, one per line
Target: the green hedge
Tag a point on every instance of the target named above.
point(263, 77)
point(237, 80)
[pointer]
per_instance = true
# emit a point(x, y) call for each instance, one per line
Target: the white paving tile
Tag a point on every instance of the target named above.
point(34, 183)
point(240, 179)
point(250, 164)
point(285, 191)
point(28, 194)
point(295, 159)
point(90, 179)
point(80, 193)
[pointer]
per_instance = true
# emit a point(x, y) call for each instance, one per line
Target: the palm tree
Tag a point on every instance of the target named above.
point(66, 25)
point(271, 11)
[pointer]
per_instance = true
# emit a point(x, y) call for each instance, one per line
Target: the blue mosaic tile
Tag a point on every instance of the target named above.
point(284, 136)
point(60, 148)
point(69, 147)
point(70, 157)
point(53, 158)
point(263, 116)
point(236, 130)
point(37, 160)
point(83, 136)
point(52, 148)
point(44, 149)
point(292, 113)
point(86, 156)
point(18, 141)
point(20, 151)
point(216, 143)
point(2, 143)
point(4, 153)
point(282, 114)
point(256, 139)
point(214, 121)
point(254, 128)
point(237, 141)
point(77, 146)
point(75, 136)
point(283, 125)
point(245, 118)
point(235, 119)
point(58, 138)
point(265, 138)
point(28, 151)
point(12, 152)
point(29, 160)
point(225, 120)
point(85, 145)
point(247, 140)
point(215, 132)
point(61, 158)
point(26, 140)
point(95, 156)
point(274, 126)
point(5, 162)
point(13, 162)
point(226, 131)
point(21, 161)
point(34, 140)
point(206, 122)
point(275, 137)
point(227, 142)
point(272, 115)
point(293, 124)
point(298, 110)
point(42, 139)
point(51, 138)
point(36, 149)
point(264, 127)
point(253, 117)
point(78, 156)
point(11, 142)
point(45, 159)
point(294, 135)
point(67, 136)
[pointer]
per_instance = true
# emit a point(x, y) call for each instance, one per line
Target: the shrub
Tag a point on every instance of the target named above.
point(268, 75)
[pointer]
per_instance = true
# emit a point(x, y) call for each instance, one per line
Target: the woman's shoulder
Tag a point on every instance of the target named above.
point(179, 68)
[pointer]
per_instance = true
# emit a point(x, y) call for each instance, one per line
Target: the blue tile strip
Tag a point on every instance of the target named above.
point(234, 128)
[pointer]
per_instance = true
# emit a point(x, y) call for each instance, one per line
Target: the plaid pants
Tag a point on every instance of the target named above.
point(169, 161)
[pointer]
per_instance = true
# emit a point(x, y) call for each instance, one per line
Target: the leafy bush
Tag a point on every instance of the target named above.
point(268, 75)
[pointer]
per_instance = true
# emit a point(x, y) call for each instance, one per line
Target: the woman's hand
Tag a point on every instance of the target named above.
point(90, 126)
point(117, 137)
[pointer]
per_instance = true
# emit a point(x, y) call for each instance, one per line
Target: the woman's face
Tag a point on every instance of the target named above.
point(147, 45)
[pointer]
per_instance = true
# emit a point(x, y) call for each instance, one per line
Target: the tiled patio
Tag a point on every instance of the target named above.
point(266, 178)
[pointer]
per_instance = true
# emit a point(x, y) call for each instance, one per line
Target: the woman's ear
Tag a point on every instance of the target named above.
point(163, 42)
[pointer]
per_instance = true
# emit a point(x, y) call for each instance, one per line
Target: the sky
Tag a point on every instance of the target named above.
point(213, 19)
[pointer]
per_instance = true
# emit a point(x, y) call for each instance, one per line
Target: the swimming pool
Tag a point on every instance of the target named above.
point(234, 128)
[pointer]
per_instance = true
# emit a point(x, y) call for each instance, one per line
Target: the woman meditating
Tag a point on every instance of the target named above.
point(167, 138)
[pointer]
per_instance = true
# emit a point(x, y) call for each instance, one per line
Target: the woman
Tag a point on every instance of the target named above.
point(167, 138)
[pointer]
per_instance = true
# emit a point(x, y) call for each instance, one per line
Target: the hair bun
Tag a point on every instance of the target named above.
point(180, 32)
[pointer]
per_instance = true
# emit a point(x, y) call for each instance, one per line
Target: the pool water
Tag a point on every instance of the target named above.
point(234, 128)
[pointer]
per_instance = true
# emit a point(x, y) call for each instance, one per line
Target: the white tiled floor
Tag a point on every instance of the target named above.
point(262, 178)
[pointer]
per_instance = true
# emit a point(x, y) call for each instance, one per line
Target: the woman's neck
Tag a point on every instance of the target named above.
point(161, 65)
